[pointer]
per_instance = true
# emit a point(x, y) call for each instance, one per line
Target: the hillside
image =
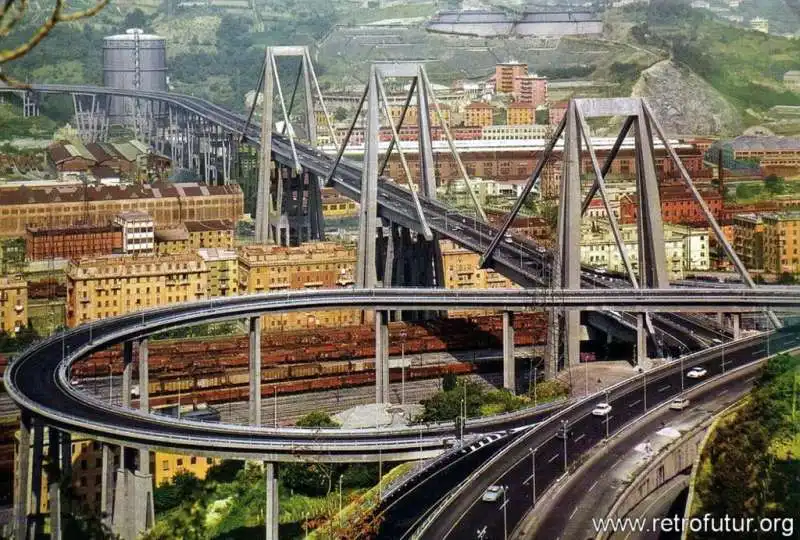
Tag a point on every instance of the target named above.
point(718, 78)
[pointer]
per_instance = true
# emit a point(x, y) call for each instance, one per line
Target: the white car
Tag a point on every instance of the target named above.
point(679, 403)
point(601, 409)
point(696, 373)
point(492, 494)
point(508, 238)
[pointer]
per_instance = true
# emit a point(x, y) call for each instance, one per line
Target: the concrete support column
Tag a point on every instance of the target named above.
point(509, 367)
point(272, 509)
point(721, 318)
point(133, 495)
point(23, 471)
point(54, 483)
point(641, 342)
point(736, 325)
point(381, 357)
point(144, 376)
point(107, 483)
point(66, 454)
point(255, 372)
point(553, 345)
point(127, 373)
point(36, 479)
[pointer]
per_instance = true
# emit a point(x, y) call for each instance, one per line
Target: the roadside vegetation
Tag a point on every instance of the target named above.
point(448, 403)
point(229, 502)
point(751, 466)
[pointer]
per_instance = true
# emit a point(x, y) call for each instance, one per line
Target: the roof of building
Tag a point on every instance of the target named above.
point(217, 254)
point(782, 216)
point(79, 193)
point(519, 105)
point(102, 171)
point(101, 152)
point(134, 215)
point(171, 234)
point(62, 151)
point(751, 143)
point(209, 225)
point(81, 228)
point(478, 105)
point(753, 218)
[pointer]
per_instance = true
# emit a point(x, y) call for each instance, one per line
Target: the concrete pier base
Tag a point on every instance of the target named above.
point(509, 367)
point(272, 508)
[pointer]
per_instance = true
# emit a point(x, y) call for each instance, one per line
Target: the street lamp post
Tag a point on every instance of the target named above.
point(607, 416)
point(505, 513)
point(275, 405)
point(110, 384)
point(682, 383)
point(535, 380)
point(564, 428)
point(403, 367)
point(533, 474)
point(644, 389)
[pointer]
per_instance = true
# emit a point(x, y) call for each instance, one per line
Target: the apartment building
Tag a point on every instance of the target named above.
point(100, 287)
point(318, 265)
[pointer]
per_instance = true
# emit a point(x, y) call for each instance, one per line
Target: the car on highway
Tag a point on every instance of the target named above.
point(492, 493)
point(508, 239)
point(696, 373)
point(540, 249)
point(601, 409)
point(679, 403)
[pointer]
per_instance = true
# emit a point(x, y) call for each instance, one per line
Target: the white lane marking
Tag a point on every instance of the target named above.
point(663, 388)
point(573, 513)
point(552, 459)
point(593, 486)
point(579, 437)
point(634, 404)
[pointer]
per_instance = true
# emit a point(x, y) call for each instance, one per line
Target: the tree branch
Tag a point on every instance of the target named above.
point(19, 12)
point(56, 16)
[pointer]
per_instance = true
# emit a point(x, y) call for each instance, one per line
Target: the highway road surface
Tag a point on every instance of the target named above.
point(468, 517)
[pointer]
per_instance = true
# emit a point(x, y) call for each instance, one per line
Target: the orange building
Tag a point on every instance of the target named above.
point(478, 114)
point(73, 242)
point(678, 206)
point(531, 89)
point(521, 114)
point(504, 75)
point(71, 205)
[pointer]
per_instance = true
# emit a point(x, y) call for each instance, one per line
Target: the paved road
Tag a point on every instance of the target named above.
point(592, 494)
point(467, 515)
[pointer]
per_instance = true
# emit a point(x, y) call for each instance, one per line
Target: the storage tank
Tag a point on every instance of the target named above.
point(133, 60)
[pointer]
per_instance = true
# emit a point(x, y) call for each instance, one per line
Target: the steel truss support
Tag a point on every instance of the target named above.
point(726, 245)
point(424, 254)
point(91, 116)
point(30, 103)
point(652, 271)
point(266, 216)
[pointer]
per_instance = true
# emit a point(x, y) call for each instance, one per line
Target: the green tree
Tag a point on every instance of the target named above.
point(449, 382)
point(774, 184)
point(171, 494)
point(340, 114)
point(317, 419)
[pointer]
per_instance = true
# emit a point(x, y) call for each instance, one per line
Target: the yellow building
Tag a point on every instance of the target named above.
point(478, 114)
point(462, 271)
point(395, 111)
point(13, 304)
point(335, 205)
point(172, 240)
point(318, 265)
point(748, 239)
point(210, 233)
point(193, 235)
point(781, 237)
point(165, 466)
point(100, 287)
point(521, 114)
point(87, 470)
point(223, 271)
